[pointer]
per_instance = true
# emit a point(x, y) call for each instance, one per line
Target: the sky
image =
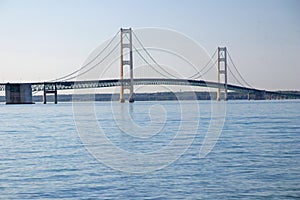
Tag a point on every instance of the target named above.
point(44, 39)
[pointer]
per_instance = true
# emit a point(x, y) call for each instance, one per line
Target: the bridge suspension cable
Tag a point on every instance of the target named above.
point(95, 65)
point(199, 74)
point(144, 59)
point(211, 67)
point(239, 74)
point(67, 77)
point(152, 59)
point(177, 55)
point(235, 77)
point(195, 76)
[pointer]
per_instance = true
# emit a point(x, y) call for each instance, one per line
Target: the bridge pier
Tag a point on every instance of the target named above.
point(48, 90)
point(18, 93)
point(260, 95)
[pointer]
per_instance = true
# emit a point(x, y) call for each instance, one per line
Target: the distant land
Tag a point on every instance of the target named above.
point(158, 96)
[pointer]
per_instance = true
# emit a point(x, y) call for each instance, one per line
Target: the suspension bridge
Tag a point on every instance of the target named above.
point(17, 93)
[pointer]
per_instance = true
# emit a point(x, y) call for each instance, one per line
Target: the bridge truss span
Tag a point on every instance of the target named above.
point(69, 85)
point(88, 84)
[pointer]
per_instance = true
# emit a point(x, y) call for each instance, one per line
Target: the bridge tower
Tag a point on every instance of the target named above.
point(222, 74)
point(126, 60)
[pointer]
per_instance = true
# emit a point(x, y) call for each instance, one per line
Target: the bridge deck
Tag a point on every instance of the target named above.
point(67, 85)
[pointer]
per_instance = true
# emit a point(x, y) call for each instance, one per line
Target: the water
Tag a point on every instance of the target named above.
point(256, 157)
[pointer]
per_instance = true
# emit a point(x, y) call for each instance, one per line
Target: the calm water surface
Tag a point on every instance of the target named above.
point(256, 157)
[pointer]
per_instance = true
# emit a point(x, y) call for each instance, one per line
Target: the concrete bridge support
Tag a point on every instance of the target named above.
point(18, 93)
point(257, 95)
point(260, 95)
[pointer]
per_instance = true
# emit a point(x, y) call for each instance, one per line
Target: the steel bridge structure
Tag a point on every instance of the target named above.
point(22, 92)
point(72, 85)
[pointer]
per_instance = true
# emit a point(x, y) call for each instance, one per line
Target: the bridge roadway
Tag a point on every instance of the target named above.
point(67, 85)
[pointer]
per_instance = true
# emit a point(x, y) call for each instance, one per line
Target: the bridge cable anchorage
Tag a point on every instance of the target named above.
point(238, 71)
point(139, 41)
point(116, 46)
point(92, 60)
point(199, 74)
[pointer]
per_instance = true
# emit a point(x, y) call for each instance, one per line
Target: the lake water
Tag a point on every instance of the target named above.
point(257, 156)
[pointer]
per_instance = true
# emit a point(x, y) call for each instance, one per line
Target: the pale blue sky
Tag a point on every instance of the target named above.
point(42, 40)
